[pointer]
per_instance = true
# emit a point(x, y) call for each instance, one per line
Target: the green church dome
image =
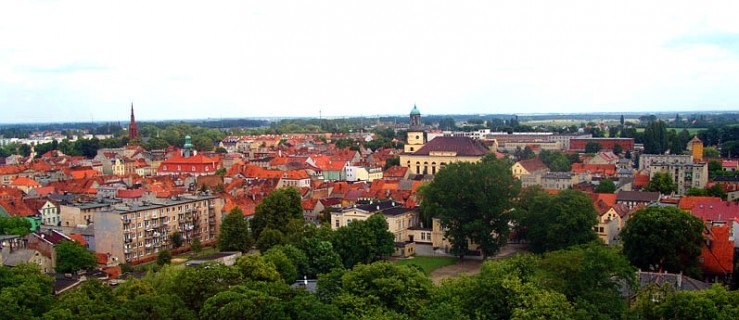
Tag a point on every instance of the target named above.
point(415, 111)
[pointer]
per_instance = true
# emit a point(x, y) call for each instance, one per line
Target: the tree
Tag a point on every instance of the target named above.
point(392, 161)
point(606, 186)
point(592, 147)
point(622, 120)
point(555, 161)
point(448, 124)
point(714, 191)
point(663, 239)
point(196, 246)
point(617, 149)
point(194, 285)
point(661, 182)
point(176, 239)
point(284, 266)
point(15, 225)
point(297, 257)
point(255, 267)
point(710, 152)
point(472, 201)
point(234, 234)
point(655, 138)
point(276, 211)
point(321, 257)
point(363, 241)
point(590, 276)
point(72, 257)
point(164, 257)
point(269, 238)
point(25, 292)
point(558, 221)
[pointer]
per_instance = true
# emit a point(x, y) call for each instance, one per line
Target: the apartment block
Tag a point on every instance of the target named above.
point(135, 233)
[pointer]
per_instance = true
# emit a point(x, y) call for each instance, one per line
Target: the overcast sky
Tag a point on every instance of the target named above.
point(81, 60)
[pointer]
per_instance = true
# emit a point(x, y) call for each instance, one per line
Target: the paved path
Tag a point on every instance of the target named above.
point(472, 266)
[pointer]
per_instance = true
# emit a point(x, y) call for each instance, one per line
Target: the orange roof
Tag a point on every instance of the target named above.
point(82, 174)
point(608, 198)
point(78, 238)
point(606, 169)
point(295, 175)
point(24, 182)
point(12, 169)
point(641, 180)
point(309, 204)
point(395, 172)
point(688, 202)
point(196, 159)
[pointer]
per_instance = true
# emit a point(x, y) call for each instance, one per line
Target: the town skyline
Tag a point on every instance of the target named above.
point(65, 61)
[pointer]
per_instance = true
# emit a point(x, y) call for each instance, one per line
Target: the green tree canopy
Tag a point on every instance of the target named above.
point(592, 147)
point(164, 257)
point(656, 138)
point(234, 234)
point(555, 161)
point(663, 239)
point(606, 186)
point(661, 182)
point(472, 200)
point(400, 289)
point(25, 292)
point(73, 257)
point(363, 241)
point(553, 222)
point(276, 211)
point(15, 225)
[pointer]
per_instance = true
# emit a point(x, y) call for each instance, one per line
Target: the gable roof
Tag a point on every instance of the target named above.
point(463, 146)
point(637, 196)
point(533, 165)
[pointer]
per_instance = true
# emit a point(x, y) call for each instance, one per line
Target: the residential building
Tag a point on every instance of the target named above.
point(399, 219)
point(136, 233)
point(634, 199)
point(80, 214)
point(562, 180)
point(528, 167)
point(685, 176)
point(361, 173)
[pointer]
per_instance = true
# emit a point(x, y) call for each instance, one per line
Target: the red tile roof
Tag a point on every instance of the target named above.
point(716, 210)
point(532, 165)
point(463, 146)
point(688, 202)
point(24, 182)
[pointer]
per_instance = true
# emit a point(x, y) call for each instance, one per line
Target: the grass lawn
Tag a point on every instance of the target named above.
point(428, 264)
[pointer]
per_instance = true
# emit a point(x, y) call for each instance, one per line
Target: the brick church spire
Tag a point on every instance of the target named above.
point(133, 130)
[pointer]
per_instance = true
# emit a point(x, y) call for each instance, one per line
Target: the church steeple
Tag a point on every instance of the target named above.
point(133, 130)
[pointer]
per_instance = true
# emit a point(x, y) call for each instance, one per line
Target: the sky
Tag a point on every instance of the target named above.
point(89, 60)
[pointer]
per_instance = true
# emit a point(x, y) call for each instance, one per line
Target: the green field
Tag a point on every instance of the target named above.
point(428, 264)
point(692, 131)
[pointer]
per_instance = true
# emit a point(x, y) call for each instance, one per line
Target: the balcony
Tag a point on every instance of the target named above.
point(148, 245)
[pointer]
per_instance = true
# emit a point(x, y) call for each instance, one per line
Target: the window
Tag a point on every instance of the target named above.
point(337, 223)
point(423, 236)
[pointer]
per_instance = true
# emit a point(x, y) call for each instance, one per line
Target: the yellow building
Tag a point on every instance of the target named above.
point(695, 147)
point(441, 151)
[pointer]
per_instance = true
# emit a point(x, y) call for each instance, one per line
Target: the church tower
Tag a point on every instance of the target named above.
point(416, 138)
point(133, 129)
point(415, 117)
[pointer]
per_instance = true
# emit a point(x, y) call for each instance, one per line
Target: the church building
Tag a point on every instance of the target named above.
point(427, 158)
